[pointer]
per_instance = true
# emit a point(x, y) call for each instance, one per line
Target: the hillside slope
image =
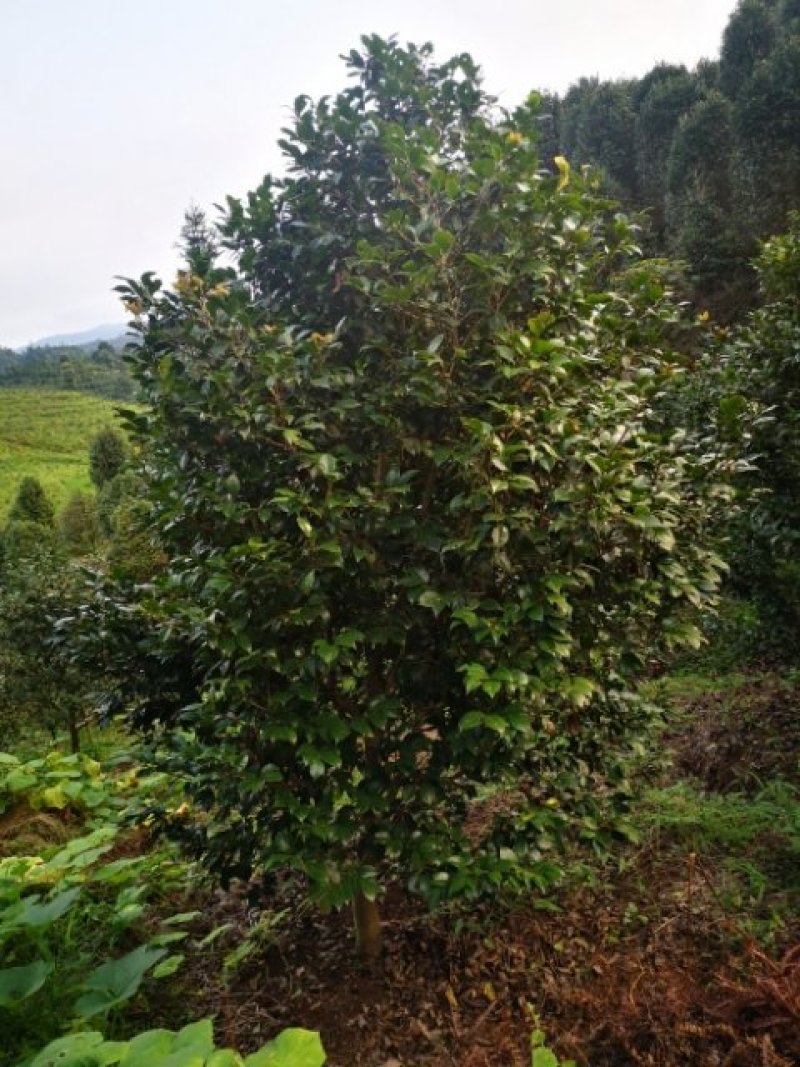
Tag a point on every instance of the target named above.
point(113, 332)
point(46, 434)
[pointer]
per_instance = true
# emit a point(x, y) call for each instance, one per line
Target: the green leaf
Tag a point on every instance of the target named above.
point(86, 1049)
point(326, 651)
point(475, 676)
point(149, 1048)
point(34, 913)
point(117, 981)
point(19, 983)
point(169, 966)
point(326, 464)
point(543, 1057)
point(216, 933)
point(225, 1058)
point(19, 781)
point(196, 1036)
point(579, 690)
point(168, 937)
point(127, 915)
point(665, 538)
point(545, 904)
point(431, 599)
point(496, 723)
point(181, 917)
point(291, 1048)
point(471, 721)
point(54, 797)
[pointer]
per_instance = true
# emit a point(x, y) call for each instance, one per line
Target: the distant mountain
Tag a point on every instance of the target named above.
point(114, 333)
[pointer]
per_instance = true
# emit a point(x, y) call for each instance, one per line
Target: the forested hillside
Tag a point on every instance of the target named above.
point(712, 155)
point(97, 369)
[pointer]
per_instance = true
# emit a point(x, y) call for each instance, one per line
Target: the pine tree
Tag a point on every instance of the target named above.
point(107, 455)
point(32, 504)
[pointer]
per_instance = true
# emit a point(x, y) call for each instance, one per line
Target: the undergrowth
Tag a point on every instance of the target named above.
point(746, 848)
point(99, 925)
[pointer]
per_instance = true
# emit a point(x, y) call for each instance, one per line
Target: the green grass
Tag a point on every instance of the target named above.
point(680, 686)
point(752, 843)
point(46, 434)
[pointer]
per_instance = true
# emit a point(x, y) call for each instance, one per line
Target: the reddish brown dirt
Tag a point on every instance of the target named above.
point(741, 738)
point(647, 971)
point(643, 968)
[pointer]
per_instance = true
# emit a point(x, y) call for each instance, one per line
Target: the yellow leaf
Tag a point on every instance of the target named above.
point(54, 797)
point(563, 170)
point(452, 1000)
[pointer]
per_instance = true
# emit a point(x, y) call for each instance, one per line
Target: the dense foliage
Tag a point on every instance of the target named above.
point(78, 524)
point(759, 367)
point(424, 481)
point(39, 687)
point(421, 519)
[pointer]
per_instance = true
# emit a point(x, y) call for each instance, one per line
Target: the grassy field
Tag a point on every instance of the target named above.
point(46, 434)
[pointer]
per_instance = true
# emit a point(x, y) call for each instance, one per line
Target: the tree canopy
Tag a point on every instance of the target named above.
point(712, 155)
point(421, 515)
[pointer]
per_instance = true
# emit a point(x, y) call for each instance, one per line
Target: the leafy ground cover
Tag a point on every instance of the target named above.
point(192, 1046)
point(45, 434)
point(74, 895)
point(89, 914)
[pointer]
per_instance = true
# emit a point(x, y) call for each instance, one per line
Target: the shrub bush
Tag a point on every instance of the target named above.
point(423, 523)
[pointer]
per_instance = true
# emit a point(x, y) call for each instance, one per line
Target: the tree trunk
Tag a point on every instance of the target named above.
point(74, 732)
point(369, 938)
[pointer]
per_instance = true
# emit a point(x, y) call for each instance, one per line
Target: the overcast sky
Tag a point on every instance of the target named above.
point(114, 116)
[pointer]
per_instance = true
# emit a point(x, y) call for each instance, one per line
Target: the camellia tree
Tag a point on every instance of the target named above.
point(421, 519)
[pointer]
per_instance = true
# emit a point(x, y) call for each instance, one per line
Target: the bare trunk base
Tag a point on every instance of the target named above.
point(369, 937)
